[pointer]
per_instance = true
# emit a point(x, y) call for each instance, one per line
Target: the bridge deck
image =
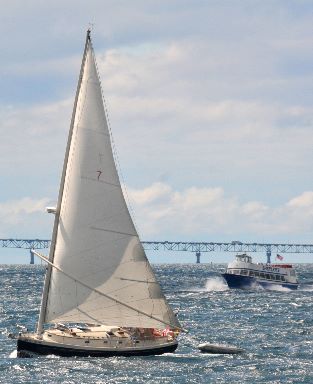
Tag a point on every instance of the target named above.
point(182, 246)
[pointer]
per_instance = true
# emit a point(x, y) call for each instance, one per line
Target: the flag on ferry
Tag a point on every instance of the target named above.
point(279, 257)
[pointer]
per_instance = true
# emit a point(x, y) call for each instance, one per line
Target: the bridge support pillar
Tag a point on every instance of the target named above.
point(32, 259)
point(268, 255)
point(198, 255)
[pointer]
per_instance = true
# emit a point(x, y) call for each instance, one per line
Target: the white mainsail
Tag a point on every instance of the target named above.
point(95, 239)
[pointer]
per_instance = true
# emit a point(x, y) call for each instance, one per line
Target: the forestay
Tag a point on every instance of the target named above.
point(96, 241)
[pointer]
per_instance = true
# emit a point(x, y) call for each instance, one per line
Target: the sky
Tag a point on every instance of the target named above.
point(210, 104)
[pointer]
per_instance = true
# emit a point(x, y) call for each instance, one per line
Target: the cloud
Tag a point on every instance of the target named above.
point(152, 194)
point(33, 136)
point(23, 217)
point(207, 93)
point(305, 200)
point(209, 213)
point(47, 67)
point(193, 213)
point(162, 126)
point(13, 209)
point(153, 92)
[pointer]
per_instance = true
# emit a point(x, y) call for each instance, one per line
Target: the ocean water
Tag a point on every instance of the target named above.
point(274, 327)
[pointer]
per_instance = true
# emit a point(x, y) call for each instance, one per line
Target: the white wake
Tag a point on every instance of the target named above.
point(13, 355)
point(216, 284)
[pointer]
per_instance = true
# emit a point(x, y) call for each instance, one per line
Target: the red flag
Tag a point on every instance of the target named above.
point(279, 257)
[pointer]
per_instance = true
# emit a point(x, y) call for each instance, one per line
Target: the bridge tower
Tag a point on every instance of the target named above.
point(32, 259)
point(268, 254)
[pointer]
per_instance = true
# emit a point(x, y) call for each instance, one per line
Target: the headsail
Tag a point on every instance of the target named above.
point(95, 239)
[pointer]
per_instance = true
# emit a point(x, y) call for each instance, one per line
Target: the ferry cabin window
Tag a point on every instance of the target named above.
point(251, 273)
point(282, 278)
point(262, 275)
point(244, 258)
point(267, 276)
point(244, 272)
point(256, 274)
point(277, 277)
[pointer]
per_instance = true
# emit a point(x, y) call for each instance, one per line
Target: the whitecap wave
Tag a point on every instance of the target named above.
point(306, 287)
point(13, 355)
point(18, 368)
point(216, 284)
point(277, 288)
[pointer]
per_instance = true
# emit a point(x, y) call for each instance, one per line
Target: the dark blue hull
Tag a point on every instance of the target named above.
point(30, 349)
point(247, 282)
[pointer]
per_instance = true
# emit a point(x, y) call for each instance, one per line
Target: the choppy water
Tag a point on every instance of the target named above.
point(274, 327)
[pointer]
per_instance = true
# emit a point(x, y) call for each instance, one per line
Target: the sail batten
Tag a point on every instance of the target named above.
point(101, 181)
point(98, 268)
point(112, 231)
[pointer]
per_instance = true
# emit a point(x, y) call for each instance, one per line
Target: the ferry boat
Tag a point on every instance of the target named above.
point(243, 273)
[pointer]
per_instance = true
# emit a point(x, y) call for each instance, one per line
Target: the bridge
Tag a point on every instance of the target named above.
point(181, 246)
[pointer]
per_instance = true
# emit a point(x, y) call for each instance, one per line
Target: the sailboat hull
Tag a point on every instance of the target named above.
point(32, 347)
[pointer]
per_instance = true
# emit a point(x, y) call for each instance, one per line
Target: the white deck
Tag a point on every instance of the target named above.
point(102, 338)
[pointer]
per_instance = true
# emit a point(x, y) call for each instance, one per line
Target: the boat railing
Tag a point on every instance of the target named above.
point(267, 275)
point(282, 265)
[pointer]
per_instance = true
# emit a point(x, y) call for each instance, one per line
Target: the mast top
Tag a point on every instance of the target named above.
point(88, 34)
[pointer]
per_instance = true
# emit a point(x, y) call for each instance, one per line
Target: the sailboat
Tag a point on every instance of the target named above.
point(100, 295)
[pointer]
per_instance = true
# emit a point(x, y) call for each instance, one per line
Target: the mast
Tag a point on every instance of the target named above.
point(58, 208)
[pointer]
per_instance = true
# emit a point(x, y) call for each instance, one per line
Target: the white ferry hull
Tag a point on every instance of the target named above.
point(247, 282)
